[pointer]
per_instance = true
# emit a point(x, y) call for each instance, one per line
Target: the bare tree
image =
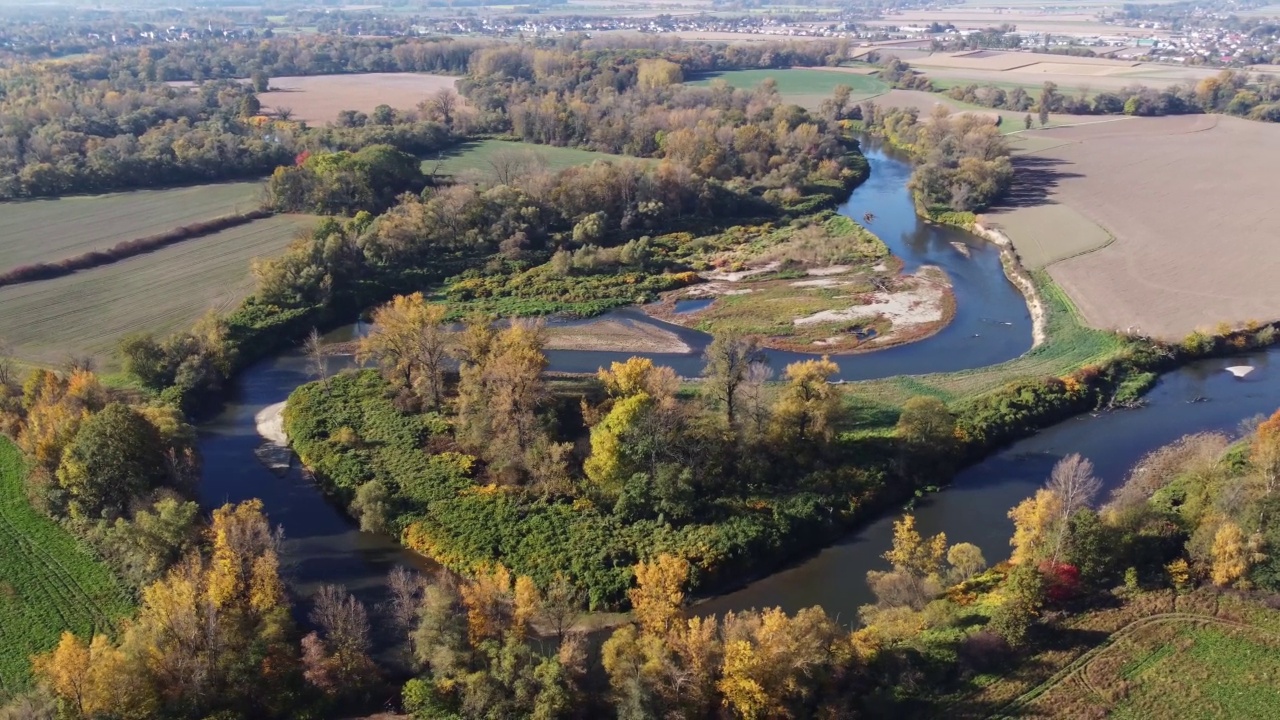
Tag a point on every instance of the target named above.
point(406, 588)
point(729, 356)
point(317, 360)
point(508, 166)
point(1075, 485)
point(443, 104)
point(561, 606)
point(755, 400)
point(342, 620)
point(284, 113)
point(7, 372)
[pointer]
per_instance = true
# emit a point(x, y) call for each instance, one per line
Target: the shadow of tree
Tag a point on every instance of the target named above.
point(1034, 179)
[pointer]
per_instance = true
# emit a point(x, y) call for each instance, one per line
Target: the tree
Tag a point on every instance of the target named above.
point(809, 406)
point(383, 115)
point(260, 81)
point(442, 105)
point(250, 106)
point(659, 593)
point(116, 456)
point(1026, 121)
point(88, 678)
point(1023, 592)
point(1075, 486)
point(729, 358)
point(1044, 114)
point(657, 73)
point(343, 629)
point(372, 506)
point(1264, 453)
point(966, 560)
point(410, 343)
point(317, 359)
point(1033, 526)
point(1230, 562)
point(927, 429)
point(912, 553)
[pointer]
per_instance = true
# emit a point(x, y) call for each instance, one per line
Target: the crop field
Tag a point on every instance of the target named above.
point(89, 311)
point(1046, 234)
point(48, 581)
point(33, 231)
point(1193, 242)
point(318, 99)
point(1073, 75)
point(802, 86)
point(483, 157)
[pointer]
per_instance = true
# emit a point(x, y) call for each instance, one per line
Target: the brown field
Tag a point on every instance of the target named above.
point(1184, 199)
point(318, 99)
point(1033, 69)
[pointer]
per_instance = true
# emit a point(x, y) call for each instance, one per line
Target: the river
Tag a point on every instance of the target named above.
point(991, 325)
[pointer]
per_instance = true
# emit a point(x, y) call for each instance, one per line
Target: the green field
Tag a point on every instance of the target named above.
point(1046, 234)
point(87, 312)
point(800, 86)
point(483, 157)
point(33, 231)
point(48, 581)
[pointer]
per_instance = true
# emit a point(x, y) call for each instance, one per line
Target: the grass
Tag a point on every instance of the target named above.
point(480, 156)
point(1070, 345)
point(1046, 234)
point(800, 86)
point(48, 580)
point(87, 312)
point(34, 231)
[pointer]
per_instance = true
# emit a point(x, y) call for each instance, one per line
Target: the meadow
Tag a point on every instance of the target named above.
point(803, 86)
point(87, 312)
point(1159, 656)
point(33, 231)
point(483, 158)
point(48, 581)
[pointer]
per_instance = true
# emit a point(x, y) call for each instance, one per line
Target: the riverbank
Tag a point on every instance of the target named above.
point(1021, 279)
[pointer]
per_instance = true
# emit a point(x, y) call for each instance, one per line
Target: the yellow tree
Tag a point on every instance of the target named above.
point(90, 680)
point(741, 691)
point(913, 554)
point(487, 598)
point(659, 593)
point(809, 406)
point(1265, 452)
point(1033, 526)
point(410, 343)
point(1230, 561)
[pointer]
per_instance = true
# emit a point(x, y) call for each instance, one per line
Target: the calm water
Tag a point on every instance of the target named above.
point(991, 325)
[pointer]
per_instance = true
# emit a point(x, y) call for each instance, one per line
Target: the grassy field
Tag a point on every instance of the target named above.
point(48, 581)
point(1158, 656)
point(481, 158)
point(801, 86)
point(33, 231)
point(88, 312)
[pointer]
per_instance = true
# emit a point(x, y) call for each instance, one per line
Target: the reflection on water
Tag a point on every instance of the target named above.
point(690, 306)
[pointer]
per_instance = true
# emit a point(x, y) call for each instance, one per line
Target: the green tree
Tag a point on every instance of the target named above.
point(250, 106)
point(261, 82)
point(115, 457)
point(1023, 592)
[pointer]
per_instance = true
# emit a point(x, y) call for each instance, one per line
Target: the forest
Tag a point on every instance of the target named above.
point(550, 498)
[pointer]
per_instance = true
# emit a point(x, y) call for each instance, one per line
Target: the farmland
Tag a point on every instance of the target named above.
point(48, 581)
point(318, 99)
point(33, 231)
point(1192, 246)
point(481, 158)
point(166, 290)
point(807, 87)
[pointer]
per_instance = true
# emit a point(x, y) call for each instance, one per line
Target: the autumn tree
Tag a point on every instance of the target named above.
point(1264, 453)
point(809, 406)
point(1034, 526)
point(657, 73)
point(1023, 595)
point(966, 560)
point(659, 593)
point(1230, 559)
point(90, 679)
point(317, 359)
point(410, 343)
point(927, 430)
point(912, 553)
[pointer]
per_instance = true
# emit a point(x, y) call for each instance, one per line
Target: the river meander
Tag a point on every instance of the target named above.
point(991, 325)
